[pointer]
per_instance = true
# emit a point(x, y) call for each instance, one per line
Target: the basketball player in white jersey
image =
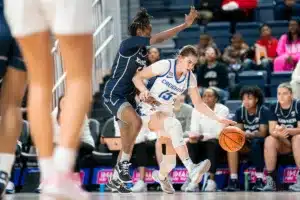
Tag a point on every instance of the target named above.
point(166, 80)
point(33, 22)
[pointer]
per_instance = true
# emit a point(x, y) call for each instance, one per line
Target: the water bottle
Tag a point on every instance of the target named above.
point(102, 188)
point(246, 180)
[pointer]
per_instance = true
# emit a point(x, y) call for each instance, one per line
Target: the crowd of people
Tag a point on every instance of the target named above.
point(162, 118)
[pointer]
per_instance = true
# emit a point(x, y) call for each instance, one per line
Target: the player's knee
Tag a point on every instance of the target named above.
point(173, 127)
point(296, 140)
point(270, 142)
point(168, 163)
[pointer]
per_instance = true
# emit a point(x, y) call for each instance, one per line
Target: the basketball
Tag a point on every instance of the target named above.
point(232, 139)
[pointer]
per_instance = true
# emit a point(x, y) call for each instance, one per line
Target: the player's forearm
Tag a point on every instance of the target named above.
point(294, 131)
point(160, 37)
point(139, 83)
point(204, 109)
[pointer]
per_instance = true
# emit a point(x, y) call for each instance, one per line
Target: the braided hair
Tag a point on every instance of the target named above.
point(140, 21)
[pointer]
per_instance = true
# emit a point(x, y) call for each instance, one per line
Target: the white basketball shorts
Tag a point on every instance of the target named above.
point(66, 17)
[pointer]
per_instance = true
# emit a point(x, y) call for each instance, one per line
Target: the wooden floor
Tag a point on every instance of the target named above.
point(176, 196)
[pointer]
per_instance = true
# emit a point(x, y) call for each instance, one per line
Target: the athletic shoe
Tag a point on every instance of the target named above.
point(65, 186)
point(165, 184)
point(122, 169)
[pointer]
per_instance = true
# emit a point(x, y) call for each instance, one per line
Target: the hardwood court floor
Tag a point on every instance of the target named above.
point(176, 196)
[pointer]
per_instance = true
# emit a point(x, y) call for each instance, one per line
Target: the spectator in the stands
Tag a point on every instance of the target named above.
point(153, 55)
point(234, 54)
point(203, 138)
point(143, 150)
point(204, 42)
point(87, 143)
point(287, 9)
point(252, 117)
point(183, 112)
point(213, 73)
point(284, 138)
point(295, 83)
point(288, 48)
point(265, 50)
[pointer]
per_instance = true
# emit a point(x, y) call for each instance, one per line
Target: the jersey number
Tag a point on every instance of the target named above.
point(166, 95)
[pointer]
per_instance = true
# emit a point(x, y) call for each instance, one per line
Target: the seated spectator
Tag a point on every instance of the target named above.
point(266, 48)
point(203, 142)
point(153, 55)
point(204, 42)
point(295, 83)
point(288, 48)
point(234, 54)
point(286, 10)
point(284, 127)
point(183, 112)
point(252, 117)
point(213, 73)
point(144, 143)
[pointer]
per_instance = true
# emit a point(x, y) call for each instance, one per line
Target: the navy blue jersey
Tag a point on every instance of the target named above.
point(251, 123)
point(286, 117)
point(131, 57)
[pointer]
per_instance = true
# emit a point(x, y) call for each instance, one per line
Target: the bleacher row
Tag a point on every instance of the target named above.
point(220, 32)
point(266, 10)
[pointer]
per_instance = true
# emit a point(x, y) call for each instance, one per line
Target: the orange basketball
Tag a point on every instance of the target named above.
point(232, 139)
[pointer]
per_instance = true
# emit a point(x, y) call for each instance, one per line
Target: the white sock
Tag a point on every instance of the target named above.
point(6, 162)
point(46, 167)
point(188, 163)
point(259, 175)
point(125, 157)
point(64, 159)
point(115, 175)
point(161, 176)
point(233, 176)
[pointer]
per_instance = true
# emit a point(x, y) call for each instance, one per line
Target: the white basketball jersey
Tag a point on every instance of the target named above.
point(166, 87)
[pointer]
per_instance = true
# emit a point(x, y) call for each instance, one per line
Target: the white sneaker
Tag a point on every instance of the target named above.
point(139, 186)
point(166, 185)
point(199, 170)
point(10, 188)
point(192, 187)
point(39, 189)
point(65, 186)
point(185, 185)
point(211, 186)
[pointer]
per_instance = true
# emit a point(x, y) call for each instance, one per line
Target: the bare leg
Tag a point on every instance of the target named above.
point(233, 159)
point(296, 149)
point(12, 92)
point(36, 51)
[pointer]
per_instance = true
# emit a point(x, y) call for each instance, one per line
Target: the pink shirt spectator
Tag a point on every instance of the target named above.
point(284, 50)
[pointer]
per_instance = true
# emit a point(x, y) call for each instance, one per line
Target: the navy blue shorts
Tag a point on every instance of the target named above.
point(115, 104)
point(10, 54)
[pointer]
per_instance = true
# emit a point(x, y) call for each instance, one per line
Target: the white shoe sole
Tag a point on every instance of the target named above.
point(205, 166)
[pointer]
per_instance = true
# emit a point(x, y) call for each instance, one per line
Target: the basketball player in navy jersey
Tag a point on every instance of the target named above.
point(252, 117)
point(119, 92)
point(284, 127)
point(12, 71)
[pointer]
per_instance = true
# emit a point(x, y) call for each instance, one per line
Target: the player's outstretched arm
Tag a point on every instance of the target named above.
point(189, 19)
point(201, 107)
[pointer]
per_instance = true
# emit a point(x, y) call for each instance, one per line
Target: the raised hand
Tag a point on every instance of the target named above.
point(189, 19)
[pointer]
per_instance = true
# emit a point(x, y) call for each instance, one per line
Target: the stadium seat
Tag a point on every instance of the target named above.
point(278, 78)
point(265, 11)
point(250, 31)
point(218, 28)
point(180, 42)
point(278, 27)
point(258, 78)
point(168, 53)
point(95, 130)
point(233, 105)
